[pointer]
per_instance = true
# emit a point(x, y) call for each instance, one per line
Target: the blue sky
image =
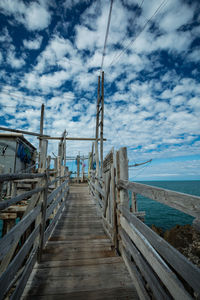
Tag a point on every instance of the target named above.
point(50, 52)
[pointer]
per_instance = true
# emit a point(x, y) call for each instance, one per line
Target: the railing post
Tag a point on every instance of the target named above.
point(43, 211)
point(122, 195)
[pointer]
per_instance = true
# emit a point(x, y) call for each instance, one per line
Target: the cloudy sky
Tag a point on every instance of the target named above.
point(51, 51)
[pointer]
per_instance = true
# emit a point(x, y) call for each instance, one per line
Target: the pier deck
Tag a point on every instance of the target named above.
point(78, 261)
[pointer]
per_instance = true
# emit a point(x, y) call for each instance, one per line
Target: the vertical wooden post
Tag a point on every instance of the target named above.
point(41, 131)
point(55, 169)
point(83, 169)
point(43, 154)
point(64, 150)
point(78, 167)
point(133, 207)
point(1, 184)
point(122, 195)
point(97, 158)
point(98, 105)
point(59, 169)
point(43, 195)
point(123, 174)
point(102, 117)
point(44, 209)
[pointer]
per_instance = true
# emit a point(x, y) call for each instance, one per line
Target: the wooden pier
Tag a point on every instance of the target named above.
point(79, 261)
point(85, 241)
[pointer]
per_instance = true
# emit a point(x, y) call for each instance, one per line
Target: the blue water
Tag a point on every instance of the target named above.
point(161, 215)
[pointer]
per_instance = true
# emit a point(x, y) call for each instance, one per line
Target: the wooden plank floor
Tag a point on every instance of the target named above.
point(78, 262)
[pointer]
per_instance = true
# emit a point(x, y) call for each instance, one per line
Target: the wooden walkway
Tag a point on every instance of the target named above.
point(78, 261)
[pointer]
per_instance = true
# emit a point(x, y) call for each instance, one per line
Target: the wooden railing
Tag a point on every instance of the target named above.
point(22, 246)
point(158, 269)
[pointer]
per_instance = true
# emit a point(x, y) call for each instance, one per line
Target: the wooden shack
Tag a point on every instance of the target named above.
point(16, 153)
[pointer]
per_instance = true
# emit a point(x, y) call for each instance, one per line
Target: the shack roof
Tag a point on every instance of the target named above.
point(16, 135)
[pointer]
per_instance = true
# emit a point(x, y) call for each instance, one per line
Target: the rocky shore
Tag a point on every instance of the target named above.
point(185, 239)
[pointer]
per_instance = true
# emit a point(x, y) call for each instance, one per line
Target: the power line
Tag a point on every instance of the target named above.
point(106, 37)
point(17, 95)
point(132, 23)
point(139, 33)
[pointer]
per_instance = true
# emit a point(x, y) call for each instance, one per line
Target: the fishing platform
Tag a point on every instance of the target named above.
point(83, 237)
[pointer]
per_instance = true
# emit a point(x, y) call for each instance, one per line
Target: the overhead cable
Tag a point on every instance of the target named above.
point(106, 37)
point(138, 34)
point(132, 23)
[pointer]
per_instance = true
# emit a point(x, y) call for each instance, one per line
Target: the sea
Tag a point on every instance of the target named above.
point(158, 214)
point(163, 216)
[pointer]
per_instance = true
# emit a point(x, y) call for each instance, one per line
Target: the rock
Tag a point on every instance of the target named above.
point(185, 239)
point(158, 230)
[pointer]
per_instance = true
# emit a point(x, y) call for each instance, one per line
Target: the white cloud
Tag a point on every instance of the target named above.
point(14, 61)
point(194, 55)
point(33, 16)
point(33, 44)
point(57, 48)
point(5, 36)
point(37, 17)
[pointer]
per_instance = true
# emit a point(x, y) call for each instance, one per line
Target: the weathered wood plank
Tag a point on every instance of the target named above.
point(56, 191)
point(137, 278)
point(180, 263)
point(186, 203)
point(98, 189)
point(80, 262)
point(85, 283)
point(119, 293)
point(12, 269)
point(147, 272)
point(14, 176)
point(14, 234)
point(14, 200)
point(27, 270)
point(166, 275)
point(50, 228)
point(53, 205)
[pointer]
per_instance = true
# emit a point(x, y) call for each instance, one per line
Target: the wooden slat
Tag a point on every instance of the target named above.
point(98, 189)
point(147, 272)
point(14, 234)
point(12, 269)
point(54, 205)
point(14, 200)
point(186, 203)
point(56, 191)
point(188, 271)
point(51, 226)
point(107, 193)
point(166, 275)
point(137, 278)
point(23, 280)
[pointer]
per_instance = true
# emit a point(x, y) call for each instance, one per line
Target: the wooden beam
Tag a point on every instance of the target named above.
point(23, 131)
point(186, 203)
point(102, 119)
point(70, 138)
point(97, 115)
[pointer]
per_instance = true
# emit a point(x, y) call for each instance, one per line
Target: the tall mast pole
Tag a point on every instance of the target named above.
point(102, 117)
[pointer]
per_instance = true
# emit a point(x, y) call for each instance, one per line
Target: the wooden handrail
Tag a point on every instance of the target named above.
point(15, 176)
point(188, 271)
point(188, 204)
point(6, 203)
